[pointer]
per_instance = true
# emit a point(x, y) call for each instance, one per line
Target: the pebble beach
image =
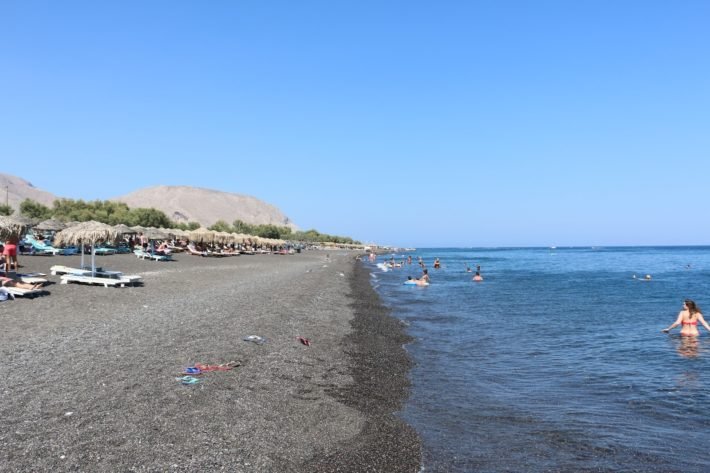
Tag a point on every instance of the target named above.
point(90, 376)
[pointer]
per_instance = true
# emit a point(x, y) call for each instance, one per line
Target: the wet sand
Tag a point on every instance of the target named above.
point(89, 372)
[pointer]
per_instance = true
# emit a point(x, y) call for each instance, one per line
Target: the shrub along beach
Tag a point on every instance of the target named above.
point(91, 380)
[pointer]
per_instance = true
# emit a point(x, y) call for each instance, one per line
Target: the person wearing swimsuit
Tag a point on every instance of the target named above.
point(688, 319)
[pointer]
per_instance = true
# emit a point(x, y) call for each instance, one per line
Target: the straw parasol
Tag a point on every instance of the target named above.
point(86, 232)
point(29, 221)
point(202, 235)
point(176, 232)
point(155, 234)
point(12, 227)
point(124, 229)
point(51, 225)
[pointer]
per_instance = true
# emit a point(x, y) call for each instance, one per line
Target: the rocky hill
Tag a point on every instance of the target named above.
point(192, 204)
point(14, 190)
point(180, 203)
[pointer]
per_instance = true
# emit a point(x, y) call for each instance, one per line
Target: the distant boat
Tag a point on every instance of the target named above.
point(553, 247)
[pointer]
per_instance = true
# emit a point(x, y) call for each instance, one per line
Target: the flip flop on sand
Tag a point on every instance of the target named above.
point(188, 380)
point(305, 341)
point(255, 339)
point(192, 370)
point(222, 367)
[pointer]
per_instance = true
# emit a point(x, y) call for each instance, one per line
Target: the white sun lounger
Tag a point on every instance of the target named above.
point(59, 269)
point(105, 282)
point(17, 291)
point(100, 275)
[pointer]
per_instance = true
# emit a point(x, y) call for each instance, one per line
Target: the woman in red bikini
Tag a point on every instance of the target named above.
point(688, 319)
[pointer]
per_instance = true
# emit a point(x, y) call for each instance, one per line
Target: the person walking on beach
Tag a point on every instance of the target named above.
point(688, 319)
point(144, 241)
point(10, 253)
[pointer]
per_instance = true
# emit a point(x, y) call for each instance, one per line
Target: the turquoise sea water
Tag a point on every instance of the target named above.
point(556, 362)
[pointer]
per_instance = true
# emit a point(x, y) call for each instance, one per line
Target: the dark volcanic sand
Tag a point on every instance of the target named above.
point(88, 381)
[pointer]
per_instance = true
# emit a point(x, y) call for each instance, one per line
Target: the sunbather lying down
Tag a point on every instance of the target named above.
point(9, 282)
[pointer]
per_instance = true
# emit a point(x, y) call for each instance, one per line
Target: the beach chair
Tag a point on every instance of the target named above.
point(32, 278)
point(16, 291)
point(42, 248)
point(191, 250)
point(60, 269)
point(103, 281)
point(101, 273)
point(142, 254)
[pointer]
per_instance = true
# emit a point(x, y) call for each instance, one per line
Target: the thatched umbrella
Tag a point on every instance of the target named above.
point(124, 229)
point(176, 232)
point(51, 225)
point(202, 235)
point(29, 221)
point(155, 234)
point(87, 232)
point(12, 227)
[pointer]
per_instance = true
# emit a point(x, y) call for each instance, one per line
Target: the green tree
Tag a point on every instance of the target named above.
point(149, 218)
point(241, 226)
point(33, 209)
point(6, 210)
point(221, 226)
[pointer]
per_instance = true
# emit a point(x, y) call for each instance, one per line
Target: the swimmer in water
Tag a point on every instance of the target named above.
point(437, 264)
point(477, 277)
point(425, 276)
point(688, 319)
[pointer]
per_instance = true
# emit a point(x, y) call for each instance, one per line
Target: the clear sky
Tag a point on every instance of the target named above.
point(419, 123)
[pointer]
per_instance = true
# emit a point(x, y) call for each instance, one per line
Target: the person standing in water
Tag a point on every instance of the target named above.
point(425, 276)
point(437, 263)
point(688, 319)
point(477, 277)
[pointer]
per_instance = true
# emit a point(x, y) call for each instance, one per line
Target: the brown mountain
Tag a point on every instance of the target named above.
point(13, 190)
point(180, 203)
point(192, 204)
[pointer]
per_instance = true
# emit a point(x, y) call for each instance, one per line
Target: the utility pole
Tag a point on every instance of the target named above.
point(7, 195)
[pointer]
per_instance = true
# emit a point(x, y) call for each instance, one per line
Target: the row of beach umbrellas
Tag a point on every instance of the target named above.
point(72, 233)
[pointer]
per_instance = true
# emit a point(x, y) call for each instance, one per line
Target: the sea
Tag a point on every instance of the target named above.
point(556, 360)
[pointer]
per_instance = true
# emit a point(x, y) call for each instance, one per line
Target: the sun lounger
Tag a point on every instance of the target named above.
point(105, 251)
point(32, 278)
point(100, 273)
point(103, 281)
point(17, 291)
point(145, 255)
point(191, 250)
point(59, 269)
point(42, 248)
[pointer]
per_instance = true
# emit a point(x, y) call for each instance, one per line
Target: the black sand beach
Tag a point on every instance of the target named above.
point(89, 375)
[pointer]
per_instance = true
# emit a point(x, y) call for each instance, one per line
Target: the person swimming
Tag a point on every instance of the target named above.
point(477, 277)
point(437, 263)
point(688, 319)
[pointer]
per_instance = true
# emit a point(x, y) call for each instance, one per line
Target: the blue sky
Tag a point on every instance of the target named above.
point(455, 123)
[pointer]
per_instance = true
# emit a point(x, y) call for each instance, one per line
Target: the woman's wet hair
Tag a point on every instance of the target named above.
point(692, 307)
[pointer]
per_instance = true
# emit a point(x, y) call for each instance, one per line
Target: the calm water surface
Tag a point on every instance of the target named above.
point(555, 362)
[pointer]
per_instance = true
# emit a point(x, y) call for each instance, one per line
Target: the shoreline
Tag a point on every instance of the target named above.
point(90, 375)
point(380, 367)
